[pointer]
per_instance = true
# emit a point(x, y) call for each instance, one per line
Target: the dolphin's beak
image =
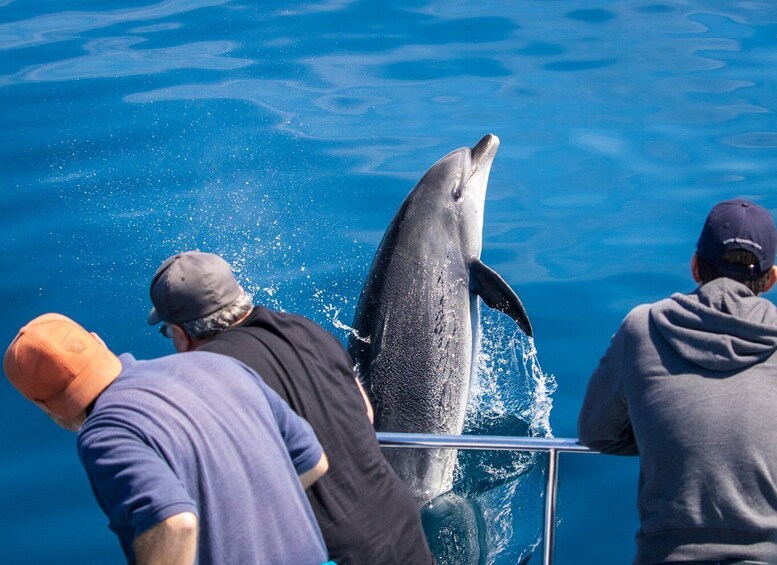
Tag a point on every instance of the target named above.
point(484, 151)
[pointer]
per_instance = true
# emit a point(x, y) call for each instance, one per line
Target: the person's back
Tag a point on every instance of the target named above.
point(689, 384)
point(700, 381)
point(224, 435)
point(366, 514)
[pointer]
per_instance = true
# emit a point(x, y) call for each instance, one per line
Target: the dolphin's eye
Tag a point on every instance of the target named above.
point(458, 185)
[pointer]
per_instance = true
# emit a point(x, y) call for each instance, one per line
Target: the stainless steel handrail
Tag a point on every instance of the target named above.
point(552, 445)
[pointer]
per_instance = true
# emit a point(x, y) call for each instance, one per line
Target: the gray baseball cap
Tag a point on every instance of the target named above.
point(191, 285)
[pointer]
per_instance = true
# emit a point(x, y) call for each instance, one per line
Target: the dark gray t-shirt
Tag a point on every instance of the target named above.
point(199, 432)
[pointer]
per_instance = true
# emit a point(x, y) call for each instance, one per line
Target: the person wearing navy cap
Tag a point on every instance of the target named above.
point(689, 384)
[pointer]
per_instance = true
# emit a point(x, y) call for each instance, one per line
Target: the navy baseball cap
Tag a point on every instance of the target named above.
point(739, 224)
point(191, 285)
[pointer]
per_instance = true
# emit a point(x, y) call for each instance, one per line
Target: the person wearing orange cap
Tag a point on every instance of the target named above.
point(192, 457)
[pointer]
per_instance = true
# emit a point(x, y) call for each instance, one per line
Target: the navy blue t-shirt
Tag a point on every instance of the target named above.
point(199, 432)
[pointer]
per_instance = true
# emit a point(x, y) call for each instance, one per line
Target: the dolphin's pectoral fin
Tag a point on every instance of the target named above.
point(497, 294)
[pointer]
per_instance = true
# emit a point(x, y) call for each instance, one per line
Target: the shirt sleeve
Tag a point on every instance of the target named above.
point(300, 440)
point(603, 423)
point(133, 484)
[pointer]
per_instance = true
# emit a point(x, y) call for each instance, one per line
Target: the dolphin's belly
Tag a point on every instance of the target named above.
point(419, 373)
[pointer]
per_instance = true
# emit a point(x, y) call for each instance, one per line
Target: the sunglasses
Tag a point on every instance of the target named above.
point(164, 329)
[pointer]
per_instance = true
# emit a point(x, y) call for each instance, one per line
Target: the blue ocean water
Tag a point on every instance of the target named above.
point(283, 135)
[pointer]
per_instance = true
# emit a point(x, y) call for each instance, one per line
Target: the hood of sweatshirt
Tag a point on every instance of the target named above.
point(722, 326)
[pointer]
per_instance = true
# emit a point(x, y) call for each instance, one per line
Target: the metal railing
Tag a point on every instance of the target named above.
point(553, 446)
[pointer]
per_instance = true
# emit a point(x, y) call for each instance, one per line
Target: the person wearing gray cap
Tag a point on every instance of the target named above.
point(366, 514)
point(689, 384)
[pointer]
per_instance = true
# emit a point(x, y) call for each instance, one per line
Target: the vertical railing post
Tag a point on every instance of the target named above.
point(549, 536)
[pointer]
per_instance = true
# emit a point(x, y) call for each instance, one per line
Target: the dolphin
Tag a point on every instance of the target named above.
point(416, 326)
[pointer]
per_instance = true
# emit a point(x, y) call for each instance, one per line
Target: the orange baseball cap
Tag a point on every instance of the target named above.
point(56, 362)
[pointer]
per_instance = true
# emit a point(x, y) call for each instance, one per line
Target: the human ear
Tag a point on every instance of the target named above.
point(72, 425)
point(181, 340)
point(695, 268)
point(772, 278)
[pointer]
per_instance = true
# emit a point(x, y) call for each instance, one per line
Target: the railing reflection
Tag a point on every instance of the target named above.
point(553, 446)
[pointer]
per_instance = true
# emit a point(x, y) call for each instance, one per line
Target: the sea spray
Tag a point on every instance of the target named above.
point(509, 396)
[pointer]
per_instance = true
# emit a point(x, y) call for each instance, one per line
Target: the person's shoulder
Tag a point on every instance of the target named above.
point(175, 359)
point(293, 318)
point(639, 312)
point(308, 324)
point(263, 317)
point(639, 316)
point(203, 357)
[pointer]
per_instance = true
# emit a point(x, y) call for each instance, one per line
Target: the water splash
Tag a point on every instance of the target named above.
point(541, 388)
point(509, 382)
point(510, 395)
point(342, 326)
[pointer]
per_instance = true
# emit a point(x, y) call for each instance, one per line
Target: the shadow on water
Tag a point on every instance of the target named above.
point(483, 529)
point(455, 529)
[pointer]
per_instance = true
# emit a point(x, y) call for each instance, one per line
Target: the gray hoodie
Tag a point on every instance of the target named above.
point(690, 385)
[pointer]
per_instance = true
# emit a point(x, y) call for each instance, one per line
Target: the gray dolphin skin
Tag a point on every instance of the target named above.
point(418, 318)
